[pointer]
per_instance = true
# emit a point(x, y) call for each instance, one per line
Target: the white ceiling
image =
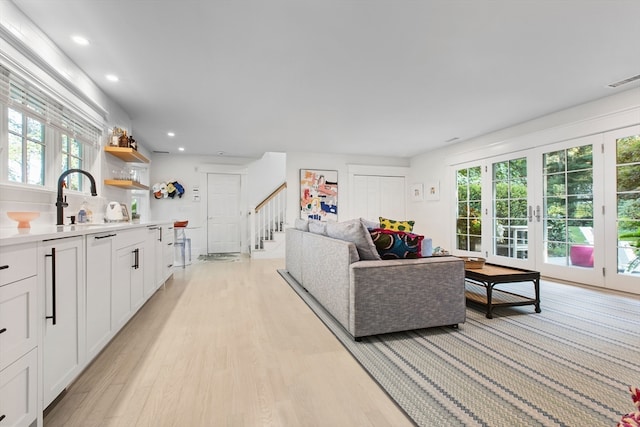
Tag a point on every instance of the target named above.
point(393, 77)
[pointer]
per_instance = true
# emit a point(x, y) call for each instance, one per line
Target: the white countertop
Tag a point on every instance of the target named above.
point(13, 235)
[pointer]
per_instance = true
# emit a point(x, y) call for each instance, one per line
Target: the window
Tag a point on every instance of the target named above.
point(72, 151)
point(43, 137)
point(26, 138)
point(469, 218)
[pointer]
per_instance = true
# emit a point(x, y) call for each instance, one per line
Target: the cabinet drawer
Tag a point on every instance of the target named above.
point(17, 262)
point(17, 320)
point(18, 391)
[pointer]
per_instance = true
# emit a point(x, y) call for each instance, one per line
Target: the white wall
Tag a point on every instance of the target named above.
point(258, 179)
point(436, 218)
point(324, 161)
point(265, 176)
point(25, 49)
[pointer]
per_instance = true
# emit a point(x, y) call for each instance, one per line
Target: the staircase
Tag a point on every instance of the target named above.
point(267, 225)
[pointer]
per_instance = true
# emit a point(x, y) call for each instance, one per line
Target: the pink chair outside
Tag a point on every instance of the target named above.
point(581, 255)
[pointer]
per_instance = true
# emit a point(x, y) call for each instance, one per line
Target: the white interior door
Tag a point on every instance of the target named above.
point(223, 213)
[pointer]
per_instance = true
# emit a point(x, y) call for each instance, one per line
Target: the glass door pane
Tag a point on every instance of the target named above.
point(510, 200)
point(567, 178)
point(469, 209)
point(622, 204)
point(628, 205)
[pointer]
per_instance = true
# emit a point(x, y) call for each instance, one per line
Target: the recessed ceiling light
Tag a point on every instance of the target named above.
point(180, 148)
point(80, 40)
point(171, 134)
point(112, 77)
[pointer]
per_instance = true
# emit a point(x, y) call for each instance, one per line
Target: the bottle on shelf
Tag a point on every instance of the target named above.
point(124, 140)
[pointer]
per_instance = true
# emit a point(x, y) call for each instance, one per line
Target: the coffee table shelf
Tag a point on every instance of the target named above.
point(481, 282)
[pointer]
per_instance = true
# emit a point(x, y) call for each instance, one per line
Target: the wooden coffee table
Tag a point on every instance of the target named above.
point(481, 283)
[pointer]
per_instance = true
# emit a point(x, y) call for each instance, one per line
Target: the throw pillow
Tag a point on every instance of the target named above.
point(318, 227)
point(301, 224)
point(370, 224)
point(397, 244)
point(632, 419)
point(391, 224)
point(355, 232)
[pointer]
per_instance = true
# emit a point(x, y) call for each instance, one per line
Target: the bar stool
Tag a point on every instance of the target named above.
point(182, 241)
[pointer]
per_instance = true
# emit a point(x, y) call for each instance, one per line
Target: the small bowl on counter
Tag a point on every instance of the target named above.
point(24, 218)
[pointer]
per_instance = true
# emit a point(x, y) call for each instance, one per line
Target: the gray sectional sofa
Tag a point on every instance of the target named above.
point(373, 296)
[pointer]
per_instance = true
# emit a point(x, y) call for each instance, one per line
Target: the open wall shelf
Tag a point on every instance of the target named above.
point(124, 184)
point(127, 154)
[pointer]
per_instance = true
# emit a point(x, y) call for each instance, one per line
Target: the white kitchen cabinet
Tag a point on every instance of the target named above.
point(164, 254)
point(19, 392)
point(127, 286)
point(137, 278)
point(61, 279)
point(18, 335)
point(99, 247)
point(167, 253)
point(150, 261)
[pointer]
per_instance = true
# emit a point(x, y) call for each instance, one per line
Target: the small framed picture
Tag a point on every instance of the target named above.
point(417, 192)
point(433, 191)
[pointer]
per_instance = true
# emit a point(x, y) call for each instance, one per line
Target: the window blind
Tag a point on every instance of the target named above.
point(21, 95)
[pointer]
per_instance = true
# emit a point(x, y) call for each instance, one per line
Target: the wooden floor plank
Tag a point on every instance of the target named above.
point(225, 343)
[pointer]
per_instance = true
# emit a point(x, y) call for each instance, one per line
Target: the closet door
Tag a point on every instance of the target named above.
point(376, 196)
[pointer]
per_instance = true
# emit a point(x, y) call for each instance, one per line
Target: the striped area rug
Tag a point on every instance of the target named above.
point(570, 365)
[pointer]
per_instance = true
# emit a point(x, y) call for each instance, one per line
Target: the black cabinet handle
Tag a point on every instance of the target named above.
point(3, 330)
point(53, 286)
point(3, 267)
point(169, 244)
point(136, 258)
point(104, 237)
point(2, 417)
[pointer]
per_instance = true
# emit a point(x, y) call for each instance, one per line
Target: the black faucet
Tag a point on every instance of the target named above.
point(61, 202)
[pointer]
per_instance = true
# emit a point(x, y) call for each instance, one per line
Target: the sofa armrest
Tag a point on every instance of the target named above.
point(395, 295)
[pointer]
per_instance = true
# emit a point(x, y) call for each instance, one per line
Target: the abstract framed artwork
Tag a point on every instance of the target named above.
point(319, 194)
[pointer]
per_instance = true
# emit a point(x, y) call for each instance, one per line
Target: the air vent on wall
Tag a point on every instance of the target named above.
point(625, 81)
point(160, 152)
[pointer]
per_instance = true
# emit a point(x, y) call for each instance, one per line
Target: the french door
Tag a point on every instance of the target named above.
point(570, 210)
point(622, 209)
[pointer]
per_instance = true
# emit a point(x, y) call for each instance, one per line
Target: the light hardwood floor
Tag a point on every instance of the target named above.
point(225, 344)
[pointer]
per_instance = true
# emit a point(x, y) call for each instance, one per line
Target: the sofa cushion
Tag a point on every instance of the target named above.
point(354, 231)
point(301, 224)
point(370, 224)
point(391, 224)
point(397, 244)
point(318, 227)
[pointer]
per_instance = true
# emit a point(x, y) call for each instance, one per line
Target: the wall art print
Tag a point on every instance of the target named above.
point(319, 194)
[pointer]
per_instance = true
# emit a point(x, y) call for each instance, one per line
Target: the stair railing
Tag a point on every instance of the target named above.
point(268, 217)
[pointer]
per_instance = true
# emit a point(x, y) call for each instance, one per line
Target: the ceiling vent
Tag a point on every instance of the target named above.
point(160, 152)
point(624, 82)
